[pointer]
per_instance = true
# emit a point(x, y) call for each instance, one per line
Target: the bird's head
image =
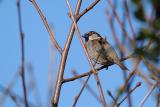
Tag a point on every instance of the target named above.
point(91, 35)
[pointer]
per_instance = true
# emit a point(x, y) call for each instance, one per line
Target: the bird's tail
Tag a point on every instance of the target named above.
point(122, 66)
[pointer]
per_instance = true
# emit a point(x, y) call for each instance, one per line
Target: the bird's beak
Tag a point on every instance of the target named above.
point(83, 36)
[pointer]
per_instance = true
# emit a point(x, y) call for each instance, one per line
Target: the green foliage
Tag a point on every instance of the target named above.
point(139, 11)
point(138, 2)
point(150, 33)
point(156, 24)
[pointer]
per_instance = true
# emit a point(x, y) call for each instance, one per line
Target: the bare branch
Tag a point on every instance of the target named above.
point(33, 85)
point(118, 20)
point(129, 18)
point(114, 99)
point(55, 98)
point(89, 60)
point(12, 94)
point(147, 95)
point(138, 84)
point(88, 87)
point(87, 9)
point(15, 101)
point(22, 72)
point(158, 100)
point(77, 97)
point(47, 27)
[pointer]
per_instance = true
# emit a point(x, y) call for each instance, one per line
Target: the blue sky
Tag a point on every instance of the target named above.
point(41, 54)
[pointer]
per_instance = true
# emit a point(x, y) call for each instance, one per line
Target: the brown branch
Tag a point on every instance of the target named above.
point(55, 98)
point(22, 72)
point(33, 85)
point(147, 95)
point(129, 100)
point(11, 94)
point(128, 94)
point(116, 39)
point(91, 72)
point(47, 27)
point(87, 55)
point(129, 18)
point(131, 74)
point(125, 85)
point(121, 47)
point(14, 98)
point(118, 19)
point(158, 100)
point(114, 99)
point(77, 97)
point(88, 87)
point(8, 87)
point(87, 9)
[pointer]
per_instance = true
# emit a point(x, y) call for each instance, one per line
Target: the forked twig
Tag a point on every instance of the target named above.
point(88, 87)
point(114, 99)
point(87, 9)
point(55, 98)
point(89, 60)
point(85, 85)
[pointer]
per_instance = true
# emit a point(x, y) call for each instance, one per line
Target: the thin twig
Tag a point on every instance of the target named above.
point(147, 95)
point(14, 98)
point(85, 85)
point(10, 93)
point(47, 27)
point(131, 75)
point(88, 88)
point(22, 72)
point(87, 9)
point(129, 18)
point(89, 60)
point(114, 99)
point(77, 97)
point(111, 23)
point(129, 100)
point(118, 19)
point(51, 76)
point(8, 87)
point(33, 85)
point(128, 94)
point(158, 100)
point(124, 86)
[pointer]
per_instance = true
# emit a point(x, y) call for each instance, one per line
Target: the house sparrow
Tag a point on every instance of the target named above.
point(100, 50)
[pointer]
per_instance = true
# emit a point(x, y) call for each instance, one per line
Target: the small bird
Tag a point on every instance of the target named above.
point(100, 50)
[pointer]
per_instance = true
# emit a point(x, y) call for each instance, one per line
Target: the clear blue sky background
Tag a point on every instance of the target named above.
point(39, 51)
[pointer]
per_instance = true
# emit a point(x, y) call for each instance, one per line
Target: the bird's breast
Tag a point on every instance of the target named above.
point(96, 52)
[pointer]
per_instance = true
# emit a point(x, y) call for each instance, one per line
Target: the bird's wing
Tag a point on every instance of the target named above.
point(110, 53)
